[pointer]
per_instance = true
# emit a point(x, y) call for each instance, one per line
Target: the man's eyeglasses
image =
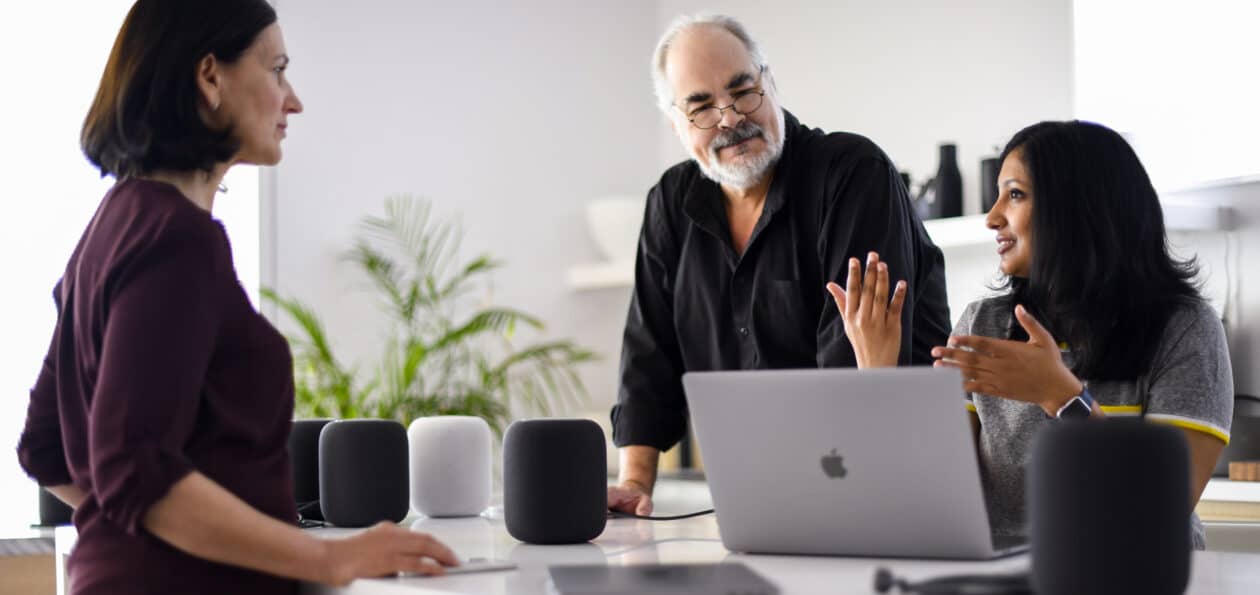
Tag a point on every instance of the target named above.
point(745, 103)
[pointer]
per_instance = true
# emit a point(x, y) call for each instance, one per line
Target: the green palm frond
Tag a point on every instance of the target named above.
point(457, 284)
point(547, 371)
point(316, 341)
point(435, 361)
point(383, 273)
point(497, 320)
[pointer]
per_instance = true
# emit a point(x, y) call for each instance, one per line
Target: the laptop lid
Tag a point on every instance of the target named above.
point(841, 461)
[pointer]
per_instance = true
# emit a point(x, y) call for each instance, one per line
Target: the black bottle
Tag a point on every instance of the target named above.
point(948, 183)
point(988, 183)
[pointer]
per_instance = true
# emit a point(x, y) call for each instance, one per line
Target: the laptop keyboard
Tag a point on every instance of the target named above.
point(1002, 543)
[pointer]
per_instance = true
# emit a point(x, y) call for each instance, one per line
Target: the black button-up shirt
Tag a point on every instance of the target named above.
point(700, 305)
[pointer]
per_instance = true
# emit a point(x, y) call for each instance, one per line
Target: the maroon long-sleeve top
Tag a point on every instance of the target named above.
point(158, 366)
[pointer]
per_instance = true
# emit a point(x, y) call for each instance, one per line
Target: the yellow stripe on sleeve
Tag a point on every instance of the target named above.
point(971, 406)
point(1121, 409)
point(1191, 424)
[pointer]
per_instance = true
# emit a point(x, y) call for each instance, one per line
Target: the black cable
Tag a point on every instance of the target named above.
point(962, 584)
point(627, 515)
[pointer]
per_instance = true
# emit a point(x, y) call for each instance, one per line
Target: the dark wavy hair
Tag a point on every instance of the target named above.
point(1102, 276)
point(145, 115)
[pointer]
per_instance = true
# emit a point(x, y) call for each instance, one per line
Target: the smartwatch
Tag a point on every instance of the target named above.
point(1079, 407)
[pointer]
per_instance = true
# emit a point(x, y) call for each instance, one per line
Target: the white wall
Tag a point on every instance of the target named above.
point(511, 114)
point(1178, 78)
point(910, 74)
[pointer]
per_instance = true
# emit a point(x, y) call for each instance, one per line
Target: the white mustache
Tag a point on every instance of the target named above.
point(744, 131)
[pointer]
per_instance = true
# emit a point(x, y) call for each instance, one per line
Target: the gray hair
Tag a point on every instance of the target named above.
point(664, 95)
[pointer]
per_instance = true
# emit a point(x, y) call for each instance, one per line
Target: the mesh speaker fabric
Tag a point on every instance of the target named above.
point(555, 478)
point(1109, 509)
point(363, 472)
point(304, 455)
point(450, 461)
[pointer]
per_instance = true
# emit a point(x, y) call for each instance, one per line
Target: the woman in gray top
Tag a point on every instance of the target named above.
point(1095, 317)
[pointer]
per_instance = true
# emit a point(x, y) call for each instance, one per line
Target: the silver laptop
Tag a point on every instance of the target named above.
point(842, 462)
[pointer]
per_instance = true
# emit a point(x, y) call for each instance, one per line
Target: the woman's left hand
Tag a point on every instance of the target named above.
point(872, 321)
point(1033, 372)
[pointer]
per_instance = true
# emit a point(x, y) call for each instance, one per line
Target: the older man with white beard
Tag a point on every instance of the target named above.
point(739, 242)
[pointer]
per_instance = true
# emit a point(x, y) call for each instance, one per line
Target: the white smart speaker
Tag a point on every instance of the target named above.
point(450, 465)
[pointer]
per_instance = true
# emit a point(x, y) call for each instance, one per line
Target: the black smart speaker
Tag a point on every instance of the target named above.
point(363, 472)
point(555, 480)
point(52, 511)
point(304, 457)
point(1109, 509)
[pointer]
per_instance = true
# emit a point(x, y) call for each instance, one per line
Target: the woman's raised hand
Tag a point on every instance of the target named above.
point(1031, 371)
point(871, 321)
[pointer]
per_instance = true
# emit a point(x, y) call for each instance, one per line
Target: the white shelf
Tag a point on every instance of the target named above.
point(953, 232)
point(970, 230)
point(587, 277)
point(1196, 217)
point(1220, 489)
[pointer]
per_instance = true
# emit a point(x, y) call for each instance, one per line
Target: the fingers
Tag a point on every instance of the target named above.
point(429, 546)
point(1036, 333)
point(881, 290)
point(617, 497)
point(985, 345)
point(387, 549)
point(898, 301)
point(412, 565)
point(415, 544)
point(944, 363)
point(837, 294)
point(625, 500)
point(961, 357)
point(854, 289)
point(645, 505)
point(629, 500)
point(865, 298)
point(869, 282)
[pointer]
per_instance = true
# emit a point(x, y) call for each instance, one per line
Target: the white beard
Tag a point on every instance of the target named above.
point(750, 169)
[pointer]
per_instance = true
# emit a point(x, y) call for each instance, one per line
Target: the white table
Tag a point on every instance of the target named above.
point(627, 541)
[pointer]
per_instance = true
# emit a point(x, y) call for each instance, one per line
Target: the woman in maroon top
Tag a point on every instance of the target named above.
point(162, 409)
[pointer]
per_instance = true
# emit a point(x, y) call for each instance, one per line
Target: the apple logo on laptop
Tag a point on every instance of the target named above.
point(833, 465)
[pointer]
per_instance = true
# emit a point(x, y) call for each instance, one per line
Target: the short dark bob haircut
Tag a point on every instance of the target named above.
point(1102, 277)
point(145, 115)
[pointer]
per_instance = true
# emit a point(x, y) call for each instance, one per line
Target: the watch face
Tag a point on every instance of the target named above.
point(1075, 409)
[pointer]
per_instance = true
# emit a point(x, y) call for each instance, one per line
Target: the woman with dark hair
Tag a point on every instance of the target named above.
point(1096, 317)
point(162, 410)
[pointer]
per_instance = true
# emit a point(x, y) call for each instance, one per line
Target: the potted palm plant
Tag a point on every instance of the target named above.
point(447, 353)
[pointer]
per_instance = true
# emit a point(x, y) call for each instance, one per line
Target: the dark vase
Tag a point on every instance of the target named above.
point(988, 183)
point(52, 511)
point(925, 204)
point(948, 183)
